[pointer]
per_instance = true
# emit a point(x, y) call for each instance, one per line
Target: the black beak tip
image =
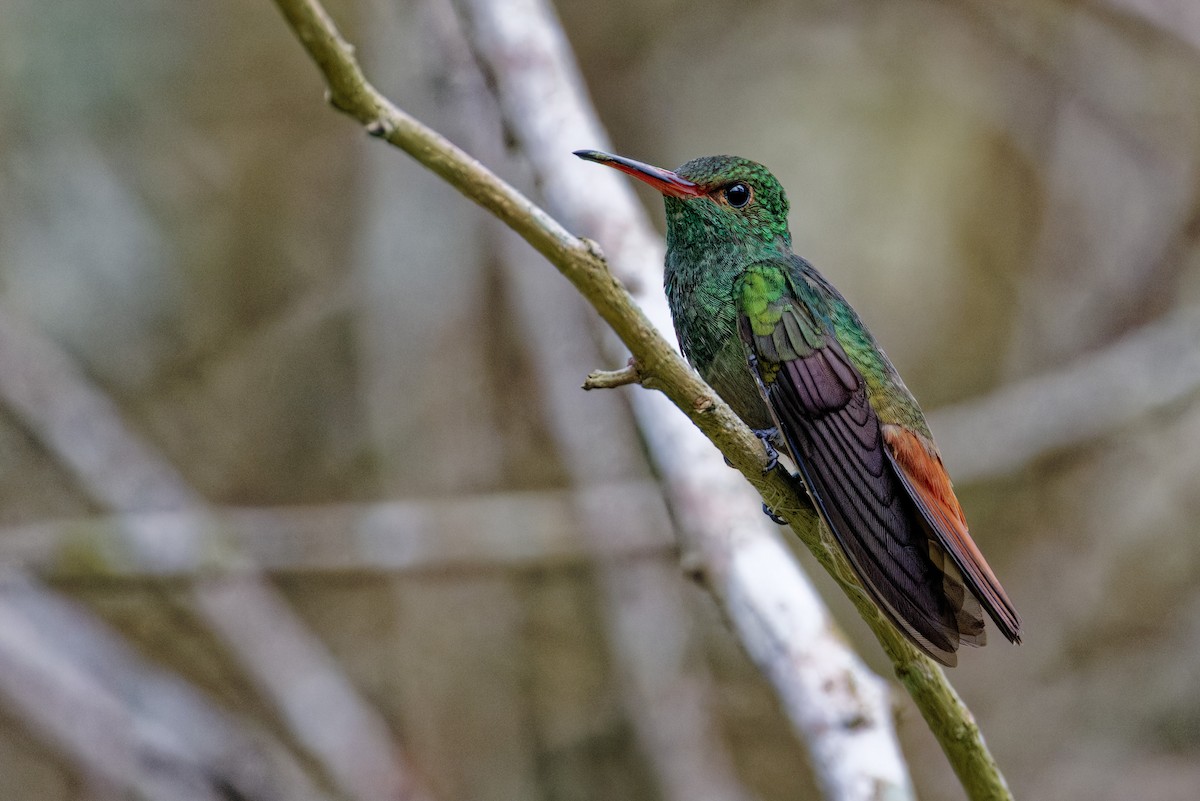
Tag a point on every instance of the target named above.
point(591, 155)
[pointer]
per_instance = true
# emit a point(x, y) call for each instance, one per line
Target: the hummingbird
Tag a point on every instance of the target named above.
point(790, 356)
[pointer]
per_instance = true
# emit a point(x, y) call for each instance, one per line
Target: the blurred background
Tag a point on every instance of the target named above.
point(284, 506)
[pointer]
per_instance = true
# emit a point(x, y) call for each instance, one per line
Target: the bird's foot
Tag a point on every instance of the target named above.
point(766, 435)
point(776, 519)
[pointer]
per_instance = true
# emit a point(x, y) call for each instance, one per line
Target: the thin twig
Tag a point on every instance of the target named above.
point(609, 379)
point(581, 262)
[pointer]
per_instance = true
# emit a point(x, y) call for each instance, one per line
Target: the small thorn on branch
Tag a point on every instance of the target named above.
point(693, 566)
point(380, 128)
point(592, 247)
point(607, 379)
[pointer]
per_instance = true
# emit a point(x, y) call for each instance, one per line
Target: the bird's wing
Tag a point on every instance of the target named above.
point(819, 401)
point(919, 466)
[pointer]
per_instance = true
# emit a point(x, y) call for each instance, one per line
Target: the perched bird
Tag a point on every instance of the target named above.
point(790, 356)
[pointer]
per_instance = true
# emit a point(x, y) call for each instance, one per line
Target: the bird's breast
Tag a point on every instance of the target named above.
point(704, 312)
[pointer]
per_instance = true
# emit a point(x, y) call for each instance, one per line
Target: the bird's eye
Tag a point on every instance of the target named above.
point(737, 195)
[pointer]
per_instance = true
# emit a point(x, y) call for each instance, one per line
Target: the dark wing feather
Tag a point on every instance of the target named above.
point(919, 467)
point(820, 403)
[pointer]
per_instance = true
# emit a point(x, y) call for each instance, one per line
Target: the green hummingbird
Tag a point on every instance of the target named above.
point(790, 356)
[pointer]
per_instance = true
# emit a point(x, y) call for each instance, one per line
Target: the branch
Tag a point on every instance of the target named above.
point(669, 698)
point(781, 623)
point(139, 728)
point(582, 264)
point(609, 379)
point(1173, 19)
point(84, 430)
point(495, 532)
point(1148, 369)
point(81, 426)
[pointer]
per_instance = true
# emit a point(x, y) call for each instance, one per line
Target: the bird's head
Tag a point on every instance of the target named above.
point(714, 201)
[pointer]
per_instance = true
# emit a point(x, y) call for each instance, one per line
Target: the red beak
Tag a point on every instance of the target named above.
point(664, 181)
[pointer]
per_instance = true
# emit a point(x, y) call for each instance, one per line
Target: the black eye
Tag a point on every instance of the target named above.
point(738, 195)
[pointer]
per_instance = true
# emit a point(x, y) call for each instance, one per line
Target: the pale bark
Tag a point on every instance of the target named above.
point(781, 622)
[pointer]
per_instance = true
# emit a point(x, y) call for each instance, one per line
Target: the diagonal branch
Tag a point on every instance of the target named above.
point(782, 623)
point(668, 697)
point(133, 726)
point(661, 367)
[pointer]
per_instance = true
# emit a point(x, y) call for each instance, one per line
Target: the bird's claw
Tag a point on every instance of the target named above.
point(776, 519)
point(766, 435)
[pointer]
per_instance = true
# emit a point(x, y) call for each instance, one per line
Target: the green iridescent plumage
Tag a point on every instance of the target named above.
point(787, 352)
point(720, 263)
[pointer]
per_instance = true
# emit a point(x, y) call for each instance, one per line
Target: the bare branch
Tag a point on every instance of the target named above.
point(1173, 18)
point(1148, 369)
point(503, 531)
point(609, 379)
point(781, 622)
point(581, 263)
point(668, 697)
point(81, 426)
point(132, 725)
point(84, 429)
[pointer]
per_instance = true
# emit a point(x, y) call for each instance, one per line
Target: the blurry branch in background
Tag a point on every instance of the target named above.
point(476, 533)
point(1120, 197)
point(83, 429)
point(761, 567)
point(126, 725)
point(667, 693)
point(780, 620)
point(1126, 231)
point(1177, 18)
point(1146, 370)
point(81, 426)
